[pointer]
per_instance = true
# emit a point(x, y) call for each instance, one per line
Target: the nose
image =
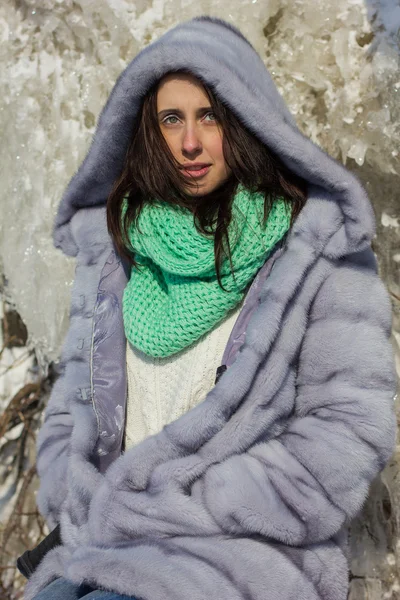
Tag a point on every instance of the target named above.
point(191, 142)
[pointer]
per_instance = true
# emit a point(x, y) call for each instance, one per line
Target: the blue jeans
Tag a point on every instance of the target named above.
point(62, 589)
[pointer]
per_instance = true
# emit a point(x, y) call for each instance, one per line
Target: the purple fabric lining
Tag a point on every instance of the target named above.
point(109, 380)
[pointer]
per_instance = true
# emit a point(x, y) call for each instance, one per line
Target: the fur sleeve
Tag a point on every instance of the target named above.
point(52, 453)
point(304, 485)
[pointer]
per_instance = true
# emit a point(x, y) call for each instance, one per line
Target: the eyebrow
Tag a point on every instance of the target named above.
point(177, 111)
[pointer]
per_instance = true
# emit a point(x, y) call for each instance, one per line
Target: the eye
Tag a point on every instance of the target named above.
point(212, 114)
point(171, 117)
point(167, 119)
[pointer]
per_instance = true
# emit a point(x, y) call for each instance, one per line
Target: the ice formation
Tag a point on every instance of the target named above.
point(336, 63)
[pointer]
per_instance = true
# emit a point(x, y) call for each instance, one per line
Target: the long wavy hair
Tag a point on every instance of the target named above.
point(150, 172)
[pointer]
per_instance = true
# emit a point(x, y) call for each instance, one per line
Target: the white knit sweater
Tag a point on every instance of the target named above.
point(162, 389)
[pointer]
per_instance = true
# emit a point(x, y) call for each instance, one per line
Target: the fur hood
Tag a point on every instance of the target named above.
point(218, 54)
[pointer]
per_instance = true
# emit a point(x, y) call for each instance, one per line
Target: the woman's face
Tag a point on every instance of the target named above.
point(189, 127)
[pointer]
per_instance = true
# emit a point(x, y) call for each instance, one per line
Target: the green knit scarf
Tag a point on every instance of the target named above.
point(173, 298)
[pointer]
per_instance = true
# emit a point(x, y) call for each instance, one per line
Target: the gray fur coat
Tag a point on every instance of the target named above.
point(248, 496)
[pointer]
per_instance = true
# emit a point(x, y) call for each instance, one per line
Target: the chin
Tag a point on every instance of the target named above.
point(202, 190)
point(205, 188)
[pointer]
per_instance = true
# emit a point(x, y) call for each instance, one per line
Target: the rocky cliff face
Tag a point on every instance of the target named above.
point(336, 64)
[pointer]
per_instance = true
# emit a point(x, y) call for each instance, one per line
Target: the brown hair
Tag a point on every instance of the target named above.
point(151, 171)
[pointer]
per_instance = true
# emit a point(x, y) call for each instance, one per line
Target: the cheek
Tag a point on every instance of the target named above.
point(216, 149)
point(172, 141)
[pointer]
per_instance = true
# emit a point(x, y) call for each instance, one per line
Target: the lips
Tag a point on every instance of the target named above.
point(197, 171)
point(195, 167)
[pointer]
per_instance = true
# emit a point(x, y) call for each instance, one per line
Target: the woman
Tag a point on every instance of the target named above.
point(260, 264)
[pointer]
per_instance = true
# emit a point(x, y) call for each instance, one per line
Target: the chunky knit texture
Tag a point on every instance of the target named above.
point(174, 296)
